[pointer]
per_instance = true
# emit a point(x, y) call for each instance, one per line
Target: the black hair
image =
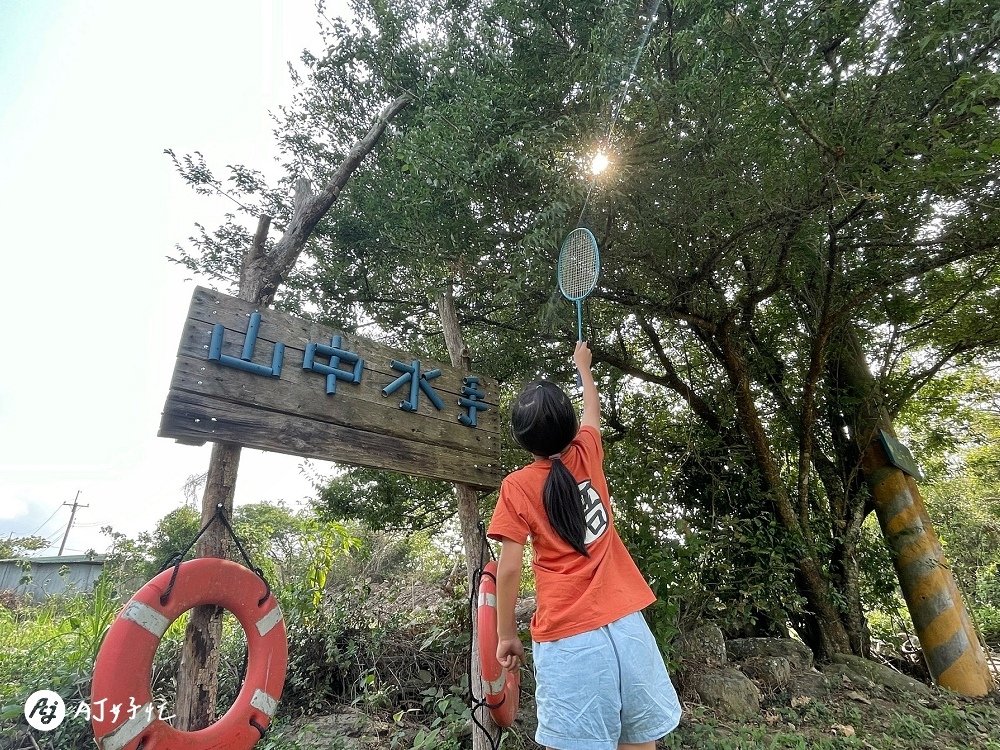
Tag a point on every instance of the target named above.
point(543, 422)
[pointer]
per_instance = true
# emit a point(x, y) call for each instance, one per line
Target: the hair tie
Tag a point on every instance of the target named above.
point(556, 457)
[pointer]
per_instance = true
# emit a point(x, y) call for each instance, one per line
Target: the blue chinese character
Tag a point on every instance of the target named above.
point(243, 362)
point(472, 400)
point(333, 370)
point(418, 382)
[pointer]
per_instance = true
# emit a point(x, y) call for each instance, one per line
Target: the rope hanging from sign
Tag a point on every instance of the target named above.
point(175, 559)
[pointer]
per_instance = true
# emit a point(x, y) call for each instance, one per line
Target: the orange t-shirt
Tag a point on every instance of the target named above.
point(574, 593)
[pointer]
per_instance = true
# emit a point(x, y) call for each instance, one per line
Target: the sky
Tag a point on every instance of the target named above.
point(91, 93)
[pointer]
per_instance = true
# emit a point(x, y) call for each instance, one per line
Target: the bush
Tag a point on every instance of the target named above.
point(52, 646)
point(987, 621)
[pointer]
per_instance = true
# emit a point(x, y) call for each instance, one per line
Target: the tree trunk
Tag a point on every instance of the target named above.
point(949, 641)
point(473, 534)
point(826, 628)
point(261, 274)
point(197, 685)
point(847, 574)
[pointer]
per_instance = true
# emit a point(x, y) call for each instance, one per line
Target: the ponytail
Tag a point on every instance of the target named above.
point(543, 422)
point(561, 498)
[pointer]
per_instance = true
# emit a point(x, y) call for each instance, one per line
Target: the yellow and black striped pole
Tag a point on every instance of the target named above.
point(948, 639)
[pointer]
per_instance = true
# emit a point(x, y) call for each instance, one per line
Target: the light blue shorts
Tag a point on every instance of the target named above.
point(603, 687)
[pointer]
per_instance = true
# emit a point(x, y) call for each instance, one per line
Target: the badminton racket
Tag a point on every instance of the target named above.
point(578, 269)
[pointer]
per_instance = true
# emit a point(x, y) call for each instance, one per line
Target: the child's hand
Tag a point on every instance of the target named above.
point(582, 356)
point(510, 653)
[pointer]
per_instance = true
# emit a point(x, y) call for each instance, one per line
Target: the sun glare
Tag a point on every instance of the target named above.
point(599, 163)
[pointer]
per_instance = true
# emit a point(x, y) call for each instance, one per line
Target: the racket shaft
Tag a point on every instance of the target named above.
point(579, 335)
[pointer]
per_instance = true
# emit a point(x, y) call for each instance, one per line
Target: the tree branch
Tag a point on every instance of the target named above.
point(674, 381)
point(310, 209)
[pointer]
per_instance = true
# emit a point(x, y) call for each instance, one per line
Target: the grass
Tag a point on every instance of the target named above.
point(944, 721)
point(52, 646)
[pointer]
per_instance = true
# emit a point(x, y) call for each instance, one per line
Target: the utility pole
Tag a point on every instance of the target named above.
point(949, 640)
point(72, 515)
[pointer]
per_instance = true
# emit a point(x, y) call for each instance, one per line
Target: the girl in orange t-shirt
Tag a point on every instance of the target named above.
point(601, 682)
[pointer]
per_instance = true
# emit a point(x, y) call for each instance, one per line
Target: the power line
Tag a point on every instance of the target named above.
point(42, 525)
point(55, 534)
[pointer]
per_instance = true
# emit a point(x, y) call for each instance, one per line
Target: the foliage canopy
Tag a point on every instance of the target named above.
point(799, 226)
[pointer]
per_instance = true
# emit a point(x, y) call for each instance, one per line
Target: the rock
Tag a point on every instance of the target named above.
point(524, 611)
point(771, 672)
point(854, 695)
point(315, 732)
point(844, 730)
point(859, 670)
point(845, 675)
point(352, 728)
point(728, 691)
point(810, 683)
point(796, 652)
point(703, 646)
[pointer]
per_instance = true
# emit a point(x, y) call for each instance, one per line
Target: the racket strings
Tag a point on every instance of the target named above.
point(579, 267)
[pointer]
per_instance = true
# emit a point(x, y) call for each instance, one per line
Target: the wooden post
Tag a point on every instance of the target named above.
point(197, 683)
point(469, 519)
point(197, 678)
point(261, 274)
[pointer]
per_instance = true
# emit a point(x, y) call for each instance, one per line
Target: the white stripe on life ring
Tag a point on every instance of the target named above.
point(488, 599)
point(264, 702)
point(268, 621)
point(128, 731)
point(147, 617)
point(496, 687)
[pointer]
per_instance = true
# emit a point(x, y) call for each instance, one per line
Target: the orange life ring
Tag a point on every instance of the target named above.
point(501, 687)
point(122, 672)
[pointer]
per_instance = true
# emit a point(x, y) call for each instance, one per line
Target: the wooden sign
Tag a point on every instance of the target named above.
point(268, 380)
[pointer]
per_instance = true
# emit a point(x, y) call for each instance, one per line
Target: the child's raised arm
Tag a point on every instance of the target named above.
point(591, 402)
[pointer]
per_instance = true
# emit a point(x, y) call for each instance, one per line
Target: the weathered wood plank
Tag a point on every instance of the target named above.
point(212, 307)
point(194, 417)
point(310, 387)
point(292, 413)
point(360, 406)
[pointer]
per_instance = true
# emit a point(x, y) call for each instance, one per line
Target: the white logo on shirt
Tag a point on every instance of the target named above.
point(594, 514)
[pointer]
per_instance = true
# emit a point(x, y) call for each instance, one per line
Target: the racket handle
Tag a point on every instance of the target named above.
point(579, 337)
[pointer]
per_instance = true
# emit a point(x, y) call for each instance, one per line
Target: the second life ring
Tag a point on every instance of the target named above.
point(122, 672)
point(501, 687)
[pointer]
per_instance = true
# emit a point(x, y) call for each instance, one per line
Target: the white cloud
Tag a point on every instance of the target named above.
point(15, 507)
